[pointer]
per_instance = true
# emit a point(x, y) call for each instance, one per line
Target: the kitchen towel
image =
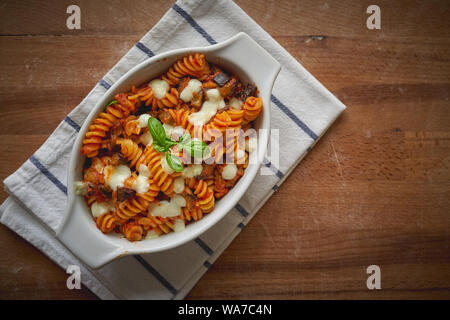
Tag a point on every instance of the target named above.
point(302, 110)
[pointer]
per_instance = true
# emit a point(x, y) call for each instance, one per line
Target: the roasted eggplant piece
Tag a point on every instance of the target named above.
point(197, 100)
point(248, 91)
point(221, 79)
point(124, 194)
point(228, 89)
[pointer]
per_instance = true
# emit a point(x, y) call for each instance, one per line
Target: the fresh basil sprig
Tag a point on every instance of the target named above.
point(174, 162)
point(162, 143)
point(112, 102)
point(196, 148)
point(158, 133)
point(184, 139)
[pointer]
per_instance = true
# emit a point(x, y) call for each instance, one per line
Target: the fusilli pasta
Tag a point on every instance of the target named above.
point(143, 183)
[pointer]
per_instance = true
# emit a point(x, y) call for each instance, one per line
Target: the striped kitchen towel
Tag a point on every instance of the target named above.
point(302, 110)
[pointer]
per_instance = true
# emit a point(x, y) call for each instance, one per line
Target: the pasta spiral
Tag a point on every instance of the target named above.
point(193, 65)
point(194, 213)
point(131, 151)
point(226, 120)
point(138, 204)
point(205, 196)
point(131, 208)
point(151, 194)
point(171, 99)
point(101, 125)
point(125, 175)
point(180, 117)
point(143, 94)
point(252, 108)
point(159, 176)
point(132, 231)
point(132, 126)
point(106, 222)
point(236, 117)
point(220, 188)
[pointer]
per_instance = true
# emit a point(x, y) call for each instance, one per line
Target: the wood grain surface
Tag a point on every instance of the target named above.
point(374, 190)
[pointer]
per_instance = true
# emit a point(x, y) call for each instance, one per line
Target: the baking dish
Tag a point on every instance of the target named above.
point(240, 55)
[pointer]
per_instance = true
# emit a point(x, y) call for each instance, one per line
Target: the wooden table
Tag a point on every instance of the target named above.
point(374, 190)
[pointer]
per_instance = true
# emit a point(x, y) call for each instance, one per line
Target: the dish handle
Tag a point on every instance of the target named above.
point(90, 246)
point(252, 58)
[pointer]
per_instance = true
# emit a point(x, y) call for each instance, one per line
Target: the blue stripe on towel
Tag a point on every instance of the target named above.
point(204, 246)
point(104, 84)
point(294, 118)
point(72, 123)
point(193, 23)
point(207, 264)
point(241, 225)
point(241, 210)
point(48, 174)
point(145, 49)
point(274, 169)
point(156, 274)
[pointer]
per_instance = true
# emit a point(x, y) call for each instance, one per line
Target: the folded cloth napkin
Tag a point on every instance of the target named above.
point(302, 110)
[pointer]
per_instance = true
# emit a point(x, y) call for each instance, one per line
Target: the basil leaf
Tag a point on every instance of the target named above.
point(157, 131)
point(169, 142)
point(159, 147)
point(196, 148)
point(112, 102)
point(184, 140)
point(174, 162)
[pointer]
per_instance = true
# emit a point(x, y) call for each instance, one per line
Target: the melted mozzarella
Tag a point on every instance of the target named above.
point(229, 171)
point(159, 87)
point(194, 86)
point(178, 200)
point(80, 188)
point(117, 176)
point(146, 138)
point(152, 234)
point(144, 170)
point(177, 132)
point(240, 154)
point(100, 208)
point(141, 184)
point(98, 165)
point(179, 225)
point(178, 186)
point(143, 120)
point(168, 129)
point(209, 108)
point(168, 209)
point(236, 103)
point(251, 144)
point(192, 171)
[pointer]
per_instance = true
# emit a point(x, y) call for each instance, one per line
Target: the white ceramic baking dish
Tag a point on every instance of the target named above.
point(240, 55)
